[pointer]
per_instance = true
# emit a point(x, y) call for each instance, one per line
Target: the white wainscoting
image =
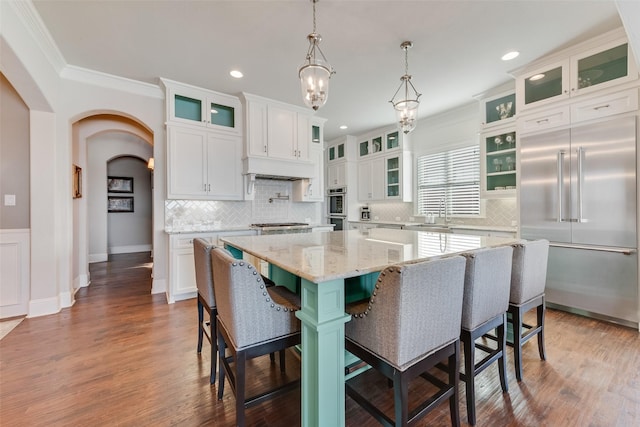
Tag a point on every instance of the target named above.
point(14, 272)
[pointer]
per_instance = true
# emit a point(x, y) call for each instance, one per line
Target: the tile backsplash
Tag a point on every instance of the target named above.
point(498, 212)
point(203, 214)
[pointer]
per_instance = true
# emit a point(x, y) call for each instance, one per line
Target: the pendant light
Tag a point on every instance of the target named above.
point(315, 72)
point(407, 107)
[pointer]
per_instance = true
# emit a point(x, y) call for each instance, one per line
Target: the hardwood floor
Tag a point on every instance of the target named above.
point(121, 356)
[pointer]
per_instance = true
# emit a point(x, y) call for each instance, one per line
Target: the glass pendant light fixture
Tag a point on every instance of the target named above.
point(407, 107)
point(315, 72)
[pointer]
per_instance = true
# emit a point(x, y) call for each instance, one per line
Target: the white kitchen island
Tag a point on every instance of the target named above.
point(323, 261)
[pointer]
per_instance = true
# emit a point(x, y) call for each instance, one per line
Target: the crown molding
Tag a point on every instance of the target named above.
point(29, 16)
point(110, 81)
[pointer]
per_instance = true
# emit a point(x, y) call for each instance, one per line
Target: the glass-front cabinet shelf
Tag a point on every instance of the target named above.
point(606, 65)
point(545, 84)
point(500, 162)
point(372, 146)
point(393, 140)
point(336, 152)
point(363, 148)
point(393, 177)
point(199, 107)
point(499, 110)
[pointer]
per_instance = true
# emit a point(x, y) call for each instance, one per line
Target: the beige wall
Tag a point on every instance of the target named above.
point(14, 157)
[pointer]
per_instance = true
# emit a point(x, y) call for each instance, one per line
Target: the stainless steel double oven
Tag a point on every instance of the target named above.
point(337, 207)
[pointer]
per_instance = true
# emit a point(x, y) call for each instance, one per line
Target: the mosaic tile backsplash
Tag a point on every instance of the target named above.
point(204, 215)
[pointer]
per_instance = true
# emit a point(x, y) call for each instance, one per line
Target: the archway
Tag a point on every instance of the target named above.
point(98, 139)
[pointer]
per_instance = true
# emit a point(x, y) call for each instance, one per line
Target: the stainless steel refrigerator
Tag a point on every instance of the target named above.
point(578, 190)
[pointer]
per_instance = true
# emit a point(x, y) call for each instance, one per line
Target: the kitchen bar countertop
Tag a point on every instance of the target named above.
point(509, 229)
point(319, 257)
point(195, 228)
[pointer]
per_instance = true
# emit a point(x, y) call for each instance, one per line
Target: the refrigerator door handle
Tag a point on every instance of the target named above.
point(560, 177)
point(580, 183)
point(622, 251)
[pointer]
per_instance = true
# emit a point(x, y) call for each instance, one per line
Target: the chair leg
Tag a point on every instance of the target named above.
point(221, 354)
point(541, 312)
point(502, 361)
point(200, 320)
point(214, 346)
point(272, 356)
point(282, 361)
point(469, 374)
point(454, 373)
point(516, 319)
point(241, 359)
point(400, 399)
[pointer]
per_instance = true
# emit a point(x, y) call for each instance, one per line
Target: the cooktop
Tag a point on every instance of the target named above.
point(279, 224)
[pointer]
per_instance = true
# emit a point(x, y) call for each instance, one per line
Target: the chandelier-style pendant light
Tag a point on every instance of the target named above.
point(406, 108)
point(315, 72)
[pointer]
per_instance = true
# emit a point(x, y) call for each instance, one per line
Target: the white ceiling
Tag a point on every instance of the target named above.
point(456, 53)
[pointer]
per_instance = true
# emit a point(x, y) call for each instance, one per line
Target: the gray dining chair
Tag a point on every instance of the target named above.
point(206, 300)
point(486, 300)
point(528, 281)
point(252, 320)
point(410, 323)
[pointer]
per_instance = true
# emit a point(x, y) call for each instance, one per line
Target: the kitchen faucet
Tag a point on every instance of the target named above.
point(443, 207)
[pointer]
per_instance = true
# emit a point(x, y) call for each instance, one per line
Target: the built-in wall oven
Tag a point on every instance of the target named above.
point(338, 222)
point(337, 207)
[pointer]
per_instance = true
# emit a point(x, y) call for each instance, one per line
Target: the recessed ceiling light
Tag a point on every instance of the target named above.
point(343, 127)
point(237, 74)
point(510, 55)
point(536, 77)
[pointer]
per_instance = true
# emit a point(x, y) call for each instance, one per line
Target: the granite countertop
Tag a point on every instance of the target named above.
point(319, 257)
point(195, 228)
point(510, 229)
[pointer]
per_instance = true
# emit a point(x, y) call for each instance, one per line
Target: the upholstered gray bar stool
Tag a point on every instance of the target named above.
point(486, 299)
point(528, 280)
point(410, 323)
point(206, 299)
point(252, 320)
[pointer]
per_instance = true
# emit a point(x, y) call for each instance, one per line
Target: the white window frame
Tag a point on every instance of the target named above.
point(447, 186)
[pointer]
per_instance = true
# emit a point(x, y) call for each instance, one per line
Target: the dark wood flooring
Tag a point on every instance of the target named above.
point(123, 357)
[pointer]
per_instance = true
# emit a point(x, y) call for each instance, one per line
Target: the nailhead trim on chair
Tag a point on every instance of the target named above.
point(264, 293)
point(372, 300)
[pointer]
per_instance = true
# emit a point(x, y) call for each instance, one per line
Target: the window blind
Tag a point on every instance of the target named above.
point(452, 175)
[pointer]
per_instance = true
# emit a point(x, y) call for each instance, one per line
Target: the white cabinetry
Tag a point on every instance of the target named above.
point(371, 179)
point(194, 106)
point(596, 64)
point(276, 130)
point(182, 276)
point(203, 164)
point(386, 177)
point(312, 189)
point(204, 143)
point(337, 175)
point(384, 166)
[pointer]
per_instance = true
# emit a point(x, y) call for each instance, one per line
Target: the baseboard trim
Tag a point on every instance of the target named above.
point(98, 258)
point(44, 306)
point(158, 286)
point(129, 249)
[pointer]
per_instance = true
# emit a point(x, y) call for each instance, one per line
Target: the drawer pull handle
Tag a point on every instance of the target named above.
point(542, 121)
point(600, 107)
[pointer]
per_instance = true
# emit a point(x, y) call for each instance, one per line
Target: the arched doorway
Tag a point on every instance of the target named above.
point(97, 140)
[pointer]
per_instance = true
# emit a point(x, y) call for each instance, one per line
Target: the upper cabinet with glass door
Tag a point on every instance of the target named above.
point(195, 106)
point(372, 144)
point(597, 64)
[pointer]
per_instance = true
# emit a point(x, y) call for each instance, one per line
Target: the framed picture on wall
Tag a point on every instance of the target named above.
point(77, 182)
point(119, 184)
point(119, 204)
